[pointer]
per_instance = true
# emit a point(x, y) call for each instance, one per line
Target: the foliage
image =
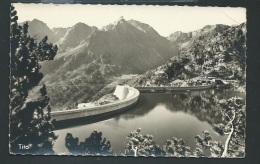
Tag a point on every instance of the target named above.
point(141, 145)
point(233, 114)
point(205, 141)
point(72, 144)
point(176, 67)
point(220, 53)
point(198, 152)
point(81, 85)
point(93, 145)
point(30, 122)
point(176, 148)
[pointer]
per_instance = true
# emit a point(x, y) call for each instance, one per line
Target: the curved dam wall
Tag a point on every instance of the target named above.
point(165, 89)
point(126, 103)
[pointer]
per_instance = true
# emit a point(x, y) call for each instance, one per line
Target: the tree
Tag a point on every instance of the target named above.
point(176, 148)
point(206, 142)
point(30, 121)
point(233, 116)
point(72, 144)
point(198, 152)
point(97, 77)
point(141, 145)
point(93, 145)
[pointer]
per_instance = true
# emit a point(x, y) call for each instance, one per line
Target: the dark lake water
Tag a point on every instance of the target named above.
point(163, 115)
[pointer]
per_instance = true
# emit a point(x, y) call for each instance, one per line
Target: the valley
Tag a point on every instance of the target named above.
point(91, 61)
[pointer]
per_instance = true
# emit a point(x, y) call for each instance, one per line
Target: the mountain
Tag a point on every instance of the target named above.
point(39, 30)
point(90, 62)
point(179, 37)
point(218, 51)
point(187, 39)
point(90, 59)
point(59, 32)
point(205, 32)
point(133, 45)
point(75, 35)
point(63, 37)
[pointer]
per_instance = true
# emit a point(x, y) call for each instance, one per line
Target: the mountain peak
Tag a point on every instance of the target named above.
point(120, 20)
point(207, 27)
point(36, 20)
point(146, 28)
point(112, 26)
point(75, 35)
point(216, 27)
point(80, 24)
point(179, 37)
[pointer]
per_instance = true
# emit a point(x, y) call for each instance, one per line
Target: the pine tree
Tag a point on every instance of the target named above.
point(206, 142)
point(95, 144)
point(233, 116)
point(30, 121)
point(176, 148)
point(141, 145)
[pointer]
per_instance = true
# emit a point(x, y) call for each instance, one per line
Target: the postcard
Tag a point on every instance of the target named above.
point(127, 80)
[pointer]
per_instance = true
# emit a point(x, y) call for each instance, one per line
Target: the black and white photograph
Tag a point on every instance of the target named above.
point(127, 80)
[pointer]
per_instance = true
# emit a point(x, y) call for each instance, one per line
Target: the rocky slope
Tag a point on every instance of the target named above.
point(59, 32)
point(39, 30)
point(218, 52)
point(79, 85)
point(185, 40)
point(75, 35)
point(133, 45)
point(90, 59)
point(179, 37)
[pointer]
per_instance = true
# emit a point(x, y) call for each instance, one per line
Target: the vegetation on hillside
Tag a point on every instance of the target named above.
point(84, 84)
point(221, 55)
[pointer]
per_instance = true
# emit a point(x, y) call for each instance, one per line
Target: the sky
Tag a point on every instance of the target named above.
point(164, 19)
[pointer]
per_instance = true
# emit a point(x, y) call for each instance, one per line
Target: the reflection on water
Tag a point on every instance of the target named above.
point(164, 115)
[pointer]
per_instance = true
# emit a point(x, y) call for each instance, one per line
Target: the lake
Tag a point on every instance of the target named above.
point(163, 115)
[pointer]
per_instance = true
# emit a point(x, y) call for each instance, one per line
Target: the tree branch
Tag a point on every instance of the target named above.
point(227, 133)
point(229, 136)
point(135, 150)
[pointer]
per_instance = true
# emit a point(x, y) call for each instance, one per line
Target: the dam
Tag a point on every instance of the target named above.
point(127, 99)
